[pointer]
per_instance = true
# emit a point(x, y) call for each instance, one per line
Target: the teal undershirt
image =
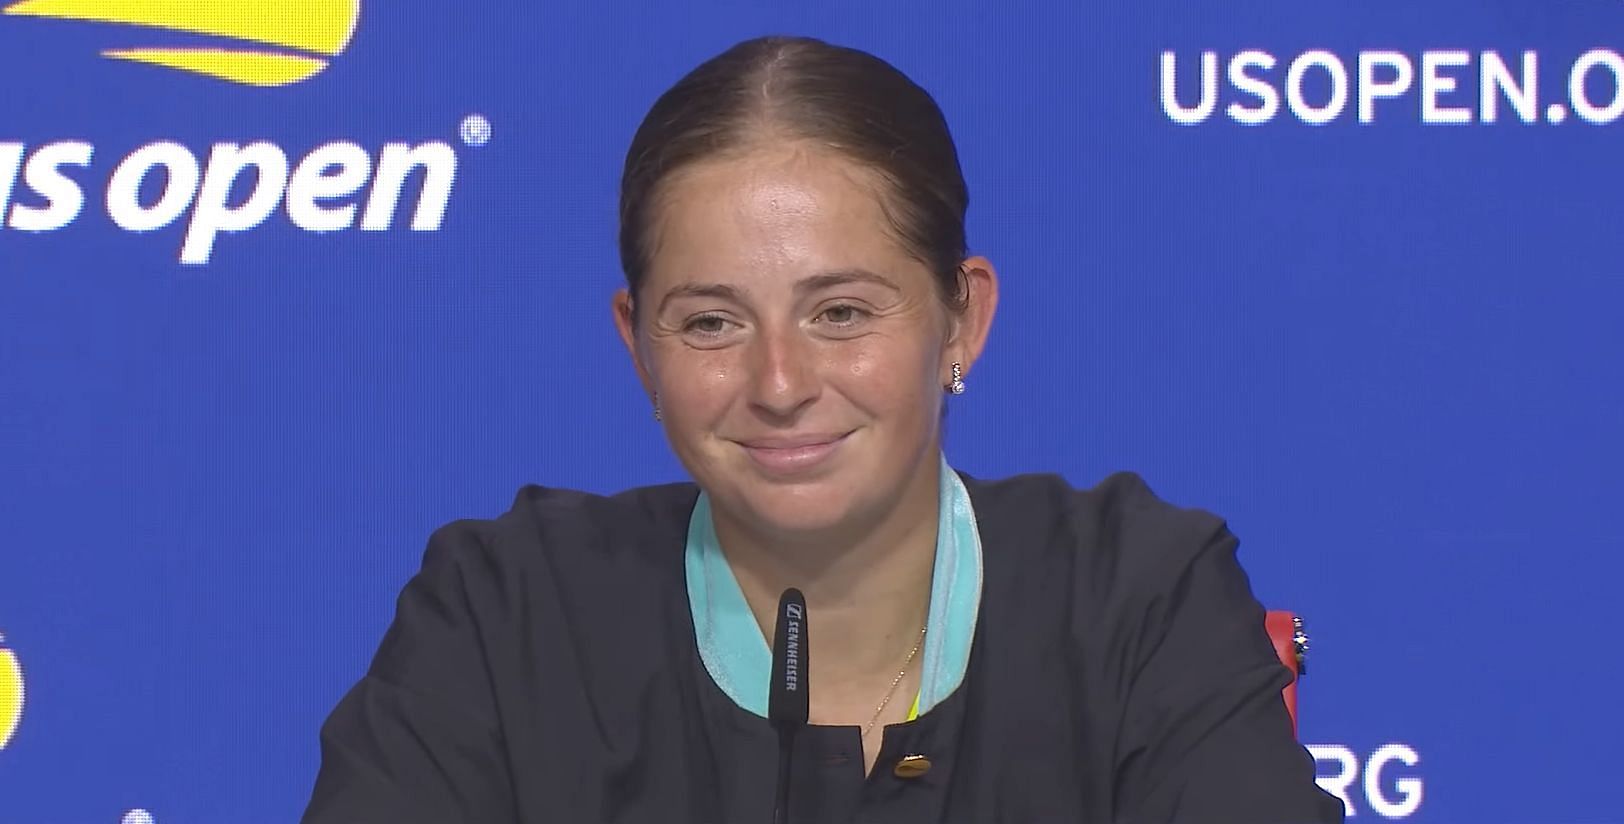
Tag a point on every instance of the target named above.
point(737, 655)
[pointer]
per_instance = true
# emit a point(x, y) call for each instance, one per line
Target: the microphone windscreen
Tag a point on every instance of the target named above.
point(787, 701)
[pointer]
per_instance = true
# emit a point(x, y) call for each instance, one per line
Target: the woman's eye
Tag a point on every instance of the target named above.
point(842, 314)
point(707, 325)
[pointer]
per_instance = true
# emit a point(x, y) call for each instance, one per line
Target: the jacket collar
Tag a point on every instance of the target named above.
point(738, 657)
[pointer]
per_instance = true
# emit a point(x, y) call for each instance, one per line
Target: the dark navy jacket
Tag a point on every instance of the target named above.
point(542, 669)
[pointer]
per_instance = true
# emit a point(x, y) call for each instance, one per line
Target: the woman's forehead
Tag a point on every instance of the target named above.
point(782, 188)
point(774, 216)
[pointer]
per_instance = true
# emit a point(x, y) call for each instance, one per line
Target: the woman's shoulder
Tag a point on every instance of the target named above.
point(1120, 525)
point(571, 529)
point(637, 511)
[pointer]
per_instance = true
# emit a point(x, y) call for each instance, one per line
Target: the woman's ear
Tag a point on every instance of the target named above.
point(971, 325)
point(626, 323)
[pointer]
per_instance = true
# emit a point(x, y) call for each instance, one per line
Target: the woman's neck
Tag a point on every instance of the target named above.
point(867, 589)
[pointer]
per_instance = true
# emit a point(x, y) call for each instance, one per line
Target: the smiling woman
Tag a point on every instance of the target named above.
point(800, 301)
point(796, 347)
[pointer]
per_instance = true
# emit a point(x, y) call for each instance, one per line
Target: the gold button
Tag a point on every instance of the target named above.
point(912, 766)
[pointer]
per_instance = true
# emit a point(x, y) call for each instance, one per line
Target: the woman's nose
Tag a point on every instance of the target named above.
point(785, 375)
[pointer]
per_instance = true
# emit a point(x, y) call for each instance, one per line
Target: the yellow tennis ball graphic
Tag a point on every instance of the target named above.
point(11, 693)
point(279, 41)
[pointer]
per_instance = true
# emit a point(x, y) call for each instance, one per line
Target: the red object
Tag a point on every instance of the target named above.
point(1291, 644)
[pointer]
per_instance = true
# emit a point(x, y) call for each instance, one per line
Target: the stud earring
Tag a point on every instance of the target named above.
point(957, 386)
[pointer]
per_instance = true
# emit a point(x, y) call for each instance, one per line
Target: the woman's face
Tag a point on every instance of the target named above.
point(797, 350)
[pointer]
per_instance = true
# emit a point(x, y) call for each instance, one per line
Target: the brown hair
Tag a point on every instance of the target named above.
point(801, 88)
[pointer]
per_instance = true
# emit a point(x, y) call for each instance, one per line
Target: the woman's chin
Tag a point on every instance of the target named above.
point(807, 510)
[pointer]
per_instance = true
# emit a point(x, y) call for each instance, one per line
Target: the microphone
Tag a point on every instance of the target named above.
point(787, 704)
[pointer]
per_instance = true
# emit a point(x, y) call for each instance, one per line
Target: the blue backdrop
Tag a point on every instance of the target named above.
point(1386, 348)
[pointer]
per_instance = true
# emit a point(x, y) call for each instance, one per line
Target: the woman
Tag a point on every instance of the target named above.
point(799, 301)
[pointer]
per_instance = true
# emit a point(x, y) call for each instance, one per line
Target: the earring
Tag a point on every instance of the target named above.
point(957, 386)
point(657, 407)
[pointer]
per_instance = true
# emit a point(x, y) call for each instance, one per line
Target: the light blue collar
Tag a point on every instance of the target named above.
point(738, 656)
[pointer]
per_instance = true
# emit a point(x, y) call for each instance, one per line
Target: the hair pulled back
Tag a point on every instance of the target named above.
point(797, 88)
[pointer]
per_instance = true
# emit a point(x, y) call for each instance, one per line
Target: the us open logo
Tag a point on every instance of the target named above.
point(12, 693)
point(1437, 87)
point(263, 42)
point(334, 186)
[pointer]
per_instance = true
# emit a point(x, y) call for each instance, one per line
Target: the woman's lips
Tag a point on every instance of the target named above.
point(790, 456)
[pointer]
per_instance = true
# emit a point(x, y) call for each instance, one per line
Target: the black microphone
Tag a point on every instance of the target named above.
point(787, 705)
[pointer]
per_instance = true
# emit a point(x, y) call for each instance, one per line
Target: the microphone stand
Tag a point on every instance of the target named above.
point(786, 746)
point(787, 705)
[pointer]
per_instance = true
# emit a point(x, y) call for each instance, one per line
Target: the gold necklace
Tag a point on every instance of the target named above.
point(894, 682)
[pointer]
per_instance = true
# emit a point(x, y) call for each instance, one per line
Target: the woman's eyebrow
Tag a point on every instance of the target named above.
point(701, 290)
point(841, 277)
point(807, 285)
